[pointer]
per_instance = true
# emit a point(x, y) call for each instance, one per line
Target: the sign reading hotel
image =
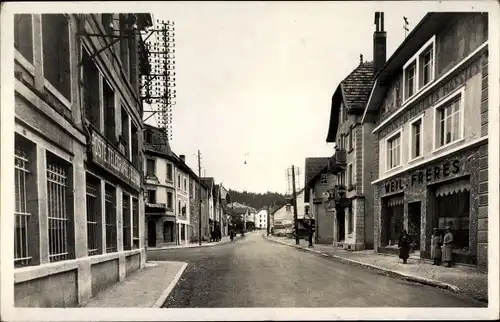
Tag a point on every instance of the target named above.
point(111, 160)
point(424, 176)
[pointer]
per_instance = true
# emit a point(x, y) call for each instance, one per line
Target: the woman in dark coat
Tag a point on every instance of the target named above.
point(404, 246)
point(436, 243)
point(448, 247)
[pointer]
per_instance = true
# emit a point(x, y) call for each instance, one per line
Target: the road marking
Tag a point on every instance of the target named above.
point(170, 287)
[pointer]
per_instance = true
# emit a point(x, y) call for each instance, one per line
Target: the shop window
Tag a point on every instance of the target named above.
point(23, 35)
point(26, 228)
point(110, 218)
point(392, 220)
point(94, 228)
point(394, 151)
point(59, 202)
point(91, 91)
point(56, 53)
point(135, 222)
point(453, 209)
point(416, 138)
point(448, 125)
point(109, 112)
point(127, 233)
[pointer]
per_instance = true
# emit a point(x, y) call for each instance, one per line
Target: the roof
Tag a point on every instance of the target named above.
point(313, 167)
point(354, 91)
point(209, 181)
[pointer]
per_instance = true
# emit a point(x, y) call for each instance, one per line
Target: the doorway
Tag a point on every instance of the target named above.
point(340, 224)
point(168, 232)
point(151, 233)
point(414, 213)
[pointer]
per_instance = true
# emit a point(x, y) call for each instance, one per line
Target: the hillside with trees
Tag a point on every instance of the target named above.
point(257, 200)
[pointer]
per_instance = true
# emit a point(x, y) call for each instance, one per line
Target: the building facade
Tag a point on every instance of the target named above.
point(261, 219)
point(353, 215)
point(430, 107)
point(78, 203)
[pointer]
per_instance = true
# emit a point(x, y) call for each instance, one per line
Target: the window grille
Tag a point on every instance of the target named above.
point(135, 222)
point(126, 222)
point(110, 208)
point(93, 214)
point(21, 246)
point(57, 212)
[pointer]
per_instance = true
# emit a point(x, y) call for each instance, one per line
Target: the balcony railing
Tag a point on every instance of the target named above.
point(338, 161)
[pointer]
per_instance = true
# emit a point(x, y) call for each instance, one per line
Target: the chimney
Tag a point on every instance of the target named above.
point(379, 43)
point(182, 157)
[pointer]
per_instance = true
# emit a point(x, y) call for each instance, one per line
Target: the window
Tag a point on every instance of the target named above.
point(135, 222)
point(109, 112)
point(148, 136)
point(110, 211)
point(56, 53)
point(135, 146)
point(179, 181)
point(124, 43)
point(150, 167)
point(351, 175)
point(419, 70)
point(23, 35)
point(91, 91)
point(288, 208)
point(350, 138)
point(107, 21)
point(93, 188)
point(185, 185)
point(151, 196)
point(183, 211)
point(170, 200)
point(341, 178)
point(124, 138)
point(22, 216)
point(58, 208)
point(350, 221)
point(170, 172)
point(449, 123)
point(453, 210)
point(324, 179)
point(127, 236)
point(394, 151)
point(179, 208)
point(416, 138)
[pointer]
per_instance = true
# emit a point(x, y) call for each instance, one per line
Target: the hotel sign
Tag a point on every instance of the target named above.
point(109, 158)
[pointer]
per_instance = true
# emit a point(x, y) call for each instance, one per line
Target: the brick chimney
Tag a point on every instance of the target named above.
point(182, 157)
point(379, 43)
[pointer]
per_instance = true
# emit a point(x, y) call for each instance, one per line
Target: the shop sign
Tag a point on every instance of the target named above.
point(110, 159)
point(425, 176)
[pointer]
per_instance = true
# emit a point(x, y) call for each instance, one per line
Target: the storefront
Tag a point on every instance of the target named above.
point(438, 194)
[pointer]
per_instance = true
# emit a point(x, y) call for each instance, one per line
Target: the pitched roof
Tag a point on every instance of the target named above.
point(354, 91)
point(313, 167)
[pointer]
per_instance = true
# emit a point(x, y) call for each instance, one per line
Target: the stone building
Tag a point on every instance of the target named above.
point(430, 108)
point(78, 154)
point(353, 158)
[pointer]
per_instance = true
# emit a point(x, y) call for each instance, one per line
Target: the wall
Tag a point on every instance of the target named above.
point(324, 219)
point(182, 196)
point(368, 158)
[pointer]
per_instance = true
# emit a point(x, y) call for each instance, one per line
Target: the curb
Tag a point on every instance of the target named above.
point(161, 300)
point(379, 269)
point(190, 246)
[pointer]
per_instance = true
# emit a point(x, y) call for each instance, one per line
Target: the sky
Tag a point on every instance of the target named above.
point(255, 81)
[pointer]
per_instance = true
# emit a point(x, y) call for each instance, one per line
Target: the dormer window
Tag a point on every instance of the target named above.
point(419, 71)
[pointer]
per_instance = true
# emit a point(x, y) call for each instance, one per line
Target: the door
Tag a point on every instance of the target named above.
point(151, 233)
point(414, 212)
point(340, 224)
point(168, 232)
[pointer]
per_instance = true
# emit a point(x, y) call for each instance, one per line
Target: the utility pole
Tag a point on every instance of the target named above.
point(199, 196)
point(268, 219)
point(295, 219)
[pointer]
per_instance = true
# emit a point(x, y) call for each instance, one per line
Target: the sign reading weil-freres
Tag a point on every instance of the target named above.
point(111, 160)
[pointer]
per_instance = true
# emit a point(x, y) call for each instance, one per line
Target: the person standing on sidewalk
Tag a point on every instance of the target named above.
point(436, 243)
point(448, 246)
point(404, 246)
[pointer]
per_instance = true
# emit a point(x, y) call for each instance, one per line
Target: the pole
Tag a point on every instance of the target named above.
point(295, 219)
point(199, 196)
point(268, 219)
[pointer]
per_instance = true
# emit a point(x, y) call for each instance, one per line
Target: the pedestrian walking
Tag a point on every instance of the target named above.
point(448, 246)
point(436, 243)
point(404, 246)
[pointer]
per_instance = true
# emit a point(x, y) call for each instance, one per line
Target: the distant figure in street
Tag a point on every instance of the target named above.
point(218, 235)
point(212, 236)
point(404, 246)
point(448, 246)
point(242, 233)
point(436, 243)
point(231, 235)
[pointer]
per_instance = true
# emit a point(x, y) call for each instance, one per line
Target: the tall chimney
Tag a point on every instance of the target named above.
point(379, 43)
point(182, 157)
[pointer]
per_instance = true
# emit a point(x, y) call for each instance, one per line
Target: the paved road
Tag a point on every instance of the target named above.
point(257, 273)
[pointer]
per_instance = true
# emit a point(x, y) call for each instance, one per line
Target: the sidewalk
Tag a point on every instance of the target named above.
point(460, 279)
point(146, 288)
point(224, 240)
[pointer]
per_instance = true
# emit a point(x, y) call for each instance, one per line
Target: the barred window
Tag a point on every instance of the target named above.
point(56, 54)
point(127, 238)
point(93, 216)
point(22, 254)
point(110, 209)
point(23, 35)
point(135, 221)
point(57, 189)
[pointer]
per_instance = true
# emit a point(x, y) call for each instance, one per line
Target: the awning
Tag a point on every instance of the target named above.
point(453, 187)
point(395, 201)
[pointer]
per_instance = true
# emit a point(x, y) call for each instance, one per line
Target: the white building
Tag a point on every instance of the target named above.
point(261, 219)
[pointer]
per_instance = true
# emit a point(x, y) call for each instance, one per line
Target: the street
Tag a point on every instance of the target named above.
point(257, 273)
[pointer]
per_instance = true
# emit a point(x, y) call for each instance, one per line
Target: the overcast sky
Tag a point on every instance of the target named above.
point(257, 78)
